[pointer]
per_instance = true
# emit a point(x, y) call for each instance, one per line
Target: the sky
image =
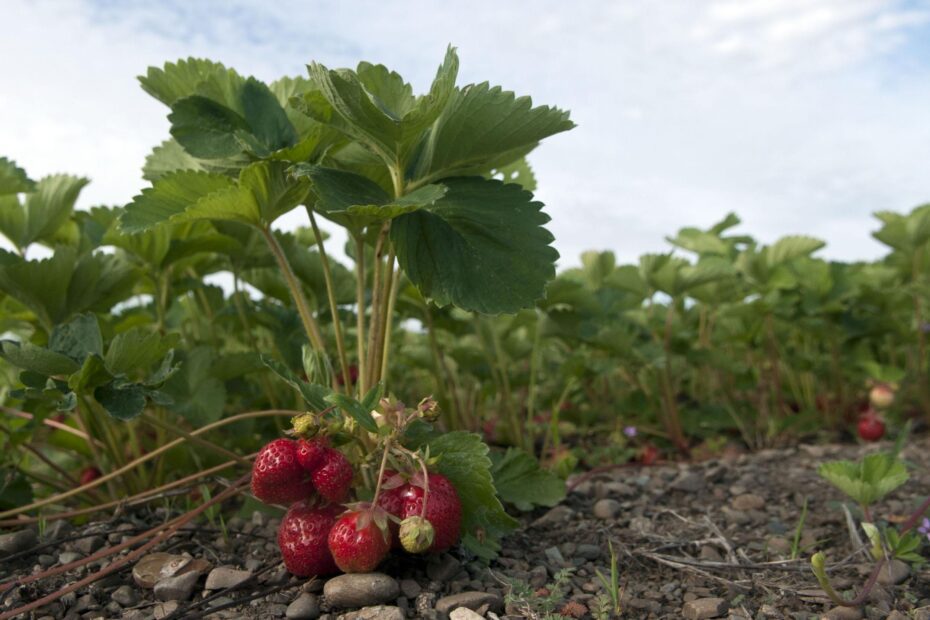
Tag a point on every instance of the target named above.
point(802, 116)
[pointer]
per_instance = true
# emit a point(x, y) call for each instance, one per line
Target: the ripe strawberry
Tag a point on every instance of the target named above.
point(310, 452)
point(353, 375)
point(88, 475)
point(359, 540)
point(302, 538)
point(870, 427)
point(333, 478)
point(277, 477)
point(443, 508)
point(649, 454)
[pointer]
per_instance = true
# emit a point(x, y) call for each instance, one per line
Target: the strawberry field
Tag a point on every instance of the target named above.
point(409, 411)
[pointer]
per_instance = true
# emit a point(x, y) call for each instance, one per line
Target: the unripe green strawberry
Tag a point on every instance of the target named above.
point(416, 534)
point(277, 477)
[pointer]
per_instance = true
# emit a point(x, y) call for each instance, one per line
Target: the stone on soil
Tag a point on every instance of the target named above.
point(471, 600)
point(464, 613)
point(223, 577)
point(305, 607)
point(748, 501)
point(14, 542)
point(607, 509)
point(360, 590)
point(176, 587)
point(894, 573)
point(125, 596)
point(704, 608)
point(843, 613)
point(378, 612)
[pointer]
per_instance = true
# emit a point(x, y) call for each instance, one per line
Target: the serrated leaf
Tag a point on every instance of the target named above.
point(13, 179)
point(188, 77)
point(198, 395)
point(123, 402)
point(77, 338)
point(37, 359)
point(207, 129)
point(137, 349)
point(44, 211)
point(169, 157)
point(483, 127)
point(428, 107)
point(518, 171)
point(791, 247)
point(360, 414)
point(481, 247)
point(868, 480)
point(93, 373)
point(463, 459)
point(169, 197)
point(314, 395)
point(520, 481)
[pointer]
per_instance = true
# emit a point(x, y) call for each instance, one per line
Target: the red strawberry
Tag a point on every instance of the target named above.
point(277, 477)
point(359, 540)
point(88, 475)
point(310, 452)
point(443, 508)
point(649, 454)
point(333, 478)
point(353, 375)
point(302, 538)
point(871, 427)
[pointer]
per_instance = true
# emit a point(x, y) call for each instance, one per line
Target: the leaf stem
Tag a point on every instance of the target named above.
point(360, 313)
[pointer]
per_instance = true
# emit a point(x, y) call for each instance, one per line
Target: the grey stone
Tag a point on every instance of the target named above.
point(704, 608)
point(377, 612)
point(689, 482)
point(89, 544)
point(125, 596)
point(410, 588)
point(223, 577)
point(843, 613)
point(607, 509)
point(163, 610)
point(748, 501)
point(470, 600)
point(894, 573)
point(66, 557)
point(360, 589)
point(554, 556)
point(305, 607)
point(556, 515)
point(443, 568)
point(176, 587)
point(464, 613)
point(17, 541)
point(588, 552)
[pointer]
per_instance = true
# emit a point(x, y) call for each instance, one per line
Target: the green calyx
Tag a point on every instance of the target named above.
point(416, 534)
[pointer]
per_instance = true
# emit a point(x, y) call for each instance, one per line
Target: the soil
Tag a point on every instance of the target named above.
point(725, 538)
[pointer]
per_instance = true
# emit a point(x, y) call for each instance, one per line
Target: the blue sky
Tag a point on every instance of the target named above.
point(803, 116)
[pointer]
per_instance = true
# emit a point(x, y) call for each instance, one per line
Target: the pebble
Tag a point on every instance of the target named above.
point(154, 567)
point(704, 608)
point(554, 556)
point(163, 610)
point(360, 589)
point(89, 544)
point(305, 607)
point(223, 577)
point(410, 588)
point(125, 596)
point(66, 557)
point(607, 509)
point(17, 541)
point(379, 612)
point(176, 587)
point(843, 613)
point(443, 568)
point(748, 501)
point(464, 613)
point(556, 515)
point(894, 573)
point(471, 600)
point(588, 552)
point(689, 482)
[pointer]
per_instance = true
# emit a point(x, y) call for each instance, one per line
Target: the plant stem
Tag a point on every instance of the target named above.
point(384, 327)
point(333, 309)
point(384, 458)
point(377, 307)
point(176, 430)
point(300, 300)
point(360, 314)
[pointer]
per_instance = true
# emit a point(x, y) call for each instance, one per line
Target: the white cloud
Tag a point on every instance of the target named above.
point(800, 115)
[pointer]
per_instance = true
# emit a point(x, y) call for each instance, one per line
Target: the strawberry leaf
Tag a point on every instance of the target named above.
point(522, 482)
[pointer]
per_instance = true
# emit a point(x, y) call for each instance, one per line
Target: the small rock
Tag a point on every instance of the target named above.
point(305, 607)
point(896, 615)
point(748, 501)
point(360, 589)
point(17, 541)
point(588, 552)
point(163, 610)
point(843, 613)
point(689, 482)
point(89, 544)
point(410, 588)
point(223, 577)
point(176, 587)
point(66, 557)
point(471, 600)
point(378, 612)
point(556, 515)
point(704, 608)
point(554, 556)
point(922, 613)
point(711, 553)
point(125, 596)
point(464, 613)
point(443, 568)
point(894, 573)
point(607, 509)
point(154, 567)
point(779, 544)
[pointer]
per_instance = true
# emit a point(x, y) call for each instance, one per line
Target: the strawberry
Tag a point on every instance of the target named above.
point(443, 507)
point(88, 475)
point(333, 478)
point(353, 376)
point(870, 427)
point(277, 477)
point(881, 396)
point(302, 538)
point(310, 452)
point(359, 540)
point(649, 454)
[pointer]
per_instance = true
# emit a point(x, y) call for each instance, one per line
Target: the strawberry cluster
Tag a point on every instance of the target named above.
point(322, 533)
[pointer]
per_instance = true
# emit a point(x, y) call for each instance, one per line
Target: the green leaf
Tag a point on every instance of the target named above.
point(77, 338)
point(15, 490)
point(36, 359)
point(168, 157)
point(191, 76)
point(207, 129)
point(198, 395)
point(520, 480)
point(427, 108)
point(169, 197)
point(355, 409)
point(482, 247)
point(868, 480)
point(483, 128)
point(518, 171)
point(314, 395)
point(44, 211)
point(414, 201)
point(265, 117)
point(137, 349)
point(13, 180)
point(93, 373)
point(337, 190)
point(123, 402)
point(463, 459)
point(791, 247)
